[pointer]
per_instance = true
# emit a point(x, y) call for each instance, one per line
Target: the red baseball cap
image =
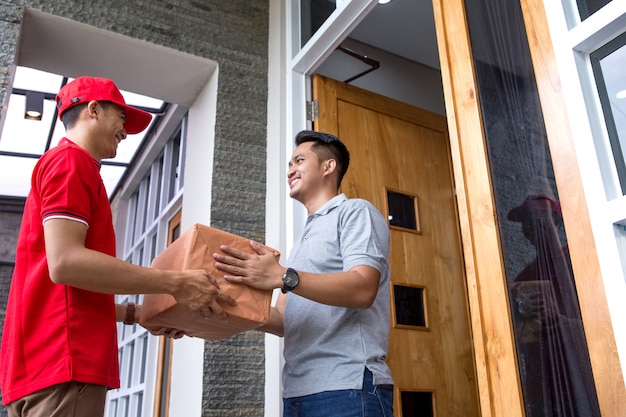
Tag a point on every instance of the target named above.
point(85, 89)
point(539, 202)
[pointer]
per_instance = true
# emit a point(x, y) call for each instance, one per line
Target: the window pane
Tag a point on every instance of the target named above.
point(174, 167)
point(313, 14)
point(32, 79)
point(401, 209)
point(608, 65)
point(417, 404)
point(15, 175)
point(408, 305)
point(22, 135)
point(111, 175)
point(553, 359)
point(588, 7)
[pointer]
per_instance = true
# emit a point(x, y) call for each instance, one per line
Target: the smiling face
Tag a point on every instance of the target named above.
point(305, 176)
point(110, 128)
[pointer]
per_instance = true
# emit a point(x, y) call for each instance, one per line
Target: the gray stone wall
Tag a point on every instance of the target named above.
point(11, 210)
point(234, 33)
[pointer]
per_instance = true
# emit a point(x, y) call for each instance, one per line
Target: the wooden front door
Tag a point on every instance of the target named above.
point(400, 161)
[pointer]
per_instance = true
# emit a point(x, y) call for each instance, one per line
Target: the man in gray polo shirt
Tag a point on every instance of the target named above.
point(334, 310)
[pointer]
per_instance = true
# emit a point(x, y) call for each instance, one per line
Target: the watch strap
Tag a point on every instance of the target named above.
point(286, 286)
point(130, 314)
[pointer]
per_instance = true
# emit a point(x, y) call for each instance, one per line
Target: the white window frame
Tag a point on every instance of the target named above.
point(289, 73)
point(305, 60)
point(574, 40)
point(149, 211)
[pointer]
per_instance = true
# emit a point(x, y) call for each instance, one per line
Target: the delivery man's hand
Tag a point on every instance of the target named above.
point(200, 292)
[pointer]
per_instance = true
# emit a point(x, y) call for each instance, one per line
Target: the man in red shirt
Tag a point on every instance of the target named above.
point(59, 352)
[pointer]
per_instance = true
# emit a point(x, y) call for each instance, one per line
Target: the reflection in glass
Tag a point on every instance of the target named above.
point(608, 65)
point(553, 358)
point(313, 14)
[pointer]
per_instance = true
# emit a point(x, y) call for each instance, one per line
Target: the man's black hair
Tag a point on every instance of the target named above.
point(70, 116)
point(326, 147)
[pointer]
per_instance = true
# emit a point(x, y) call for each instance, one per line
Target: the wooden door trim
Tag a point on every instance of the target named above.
point(166, 347)
point(587, 274)
point(499, 388)
point(382, 105)
point(495, 355)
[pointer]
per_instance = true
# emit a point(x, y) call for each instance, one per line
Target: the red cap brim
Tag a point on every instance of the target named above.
point(136, 120)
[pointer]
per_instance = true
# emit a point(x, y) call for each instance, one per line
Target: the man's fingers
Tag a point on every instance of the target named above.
point(214, 308)
point(217, 311)
point(227, 298)
point(169, 333)
point(258, 248)
point(230, 269)
point(213, 280)
point(239, 254)
point(223, 261)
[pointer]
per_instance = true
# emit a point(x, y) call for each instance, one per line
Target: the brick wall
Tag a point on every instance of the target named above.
point(234, 33)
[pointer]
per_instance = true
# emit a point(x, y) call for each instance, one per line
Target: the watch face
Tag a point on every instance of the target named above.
point(291, 278)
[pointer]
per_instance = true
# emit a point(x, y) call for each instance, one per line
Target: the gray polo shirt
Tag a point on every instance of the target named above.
point(327, 348)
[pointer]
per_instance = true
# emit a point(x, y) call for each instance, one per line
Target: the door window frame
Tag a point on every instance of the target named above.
point(574, 41)
point(301, 64)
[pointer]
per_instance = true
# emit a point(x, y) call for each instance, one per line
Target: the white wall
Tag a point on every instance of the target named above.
point(276, 194)
point(188, 352)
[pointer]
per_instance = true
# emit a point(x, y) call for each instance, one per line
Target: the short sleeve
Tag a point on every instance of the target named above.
point(65, 183)
point(364, 235)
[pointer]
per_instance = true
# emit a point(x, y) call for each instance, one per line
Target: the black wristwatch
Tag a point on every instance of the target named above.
point(290, 280)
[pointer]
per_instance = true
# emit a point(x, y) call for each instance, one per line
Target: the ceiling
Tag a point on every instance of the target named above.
point(403, 27)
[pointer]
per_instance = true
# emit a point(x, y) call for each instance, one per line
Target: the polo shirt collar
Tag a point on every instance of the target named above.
point(65, 140)
point(331, 205)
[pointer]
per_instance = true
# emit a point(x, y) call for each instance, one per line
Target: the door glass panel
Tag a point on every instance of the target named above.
point(417, 404)
point(313, 14)
point(608, 65)
point(408, 306)
point(402, 210)
point(588, 7)
point(553, 358)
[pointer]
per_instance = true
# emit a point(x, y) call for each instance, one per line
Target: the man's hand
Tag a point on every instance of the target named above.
point(259, 270)
point(200, 292)
point(169, 333)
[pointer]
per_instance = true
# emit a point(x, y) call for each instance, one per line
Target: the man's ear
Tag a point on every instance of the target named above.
point(92, 108)
point(329, 166)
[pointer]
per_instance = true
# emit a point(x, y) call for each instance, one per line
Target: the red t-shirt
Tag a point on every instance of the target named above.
point(56, 333)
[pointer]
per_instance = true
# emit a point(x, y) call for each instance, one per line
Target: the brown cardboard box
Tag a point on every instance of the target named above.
point(194, 250)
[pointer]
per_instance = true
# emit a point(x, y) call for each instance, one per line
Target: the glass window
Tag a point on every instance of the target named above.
point(608, 65)
point(402, 210)
point(417, 404)
point(553, 358)
point(23, 140)
point(588, 7)
point(408, 306)
point(313, 14)
point(147, 226)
